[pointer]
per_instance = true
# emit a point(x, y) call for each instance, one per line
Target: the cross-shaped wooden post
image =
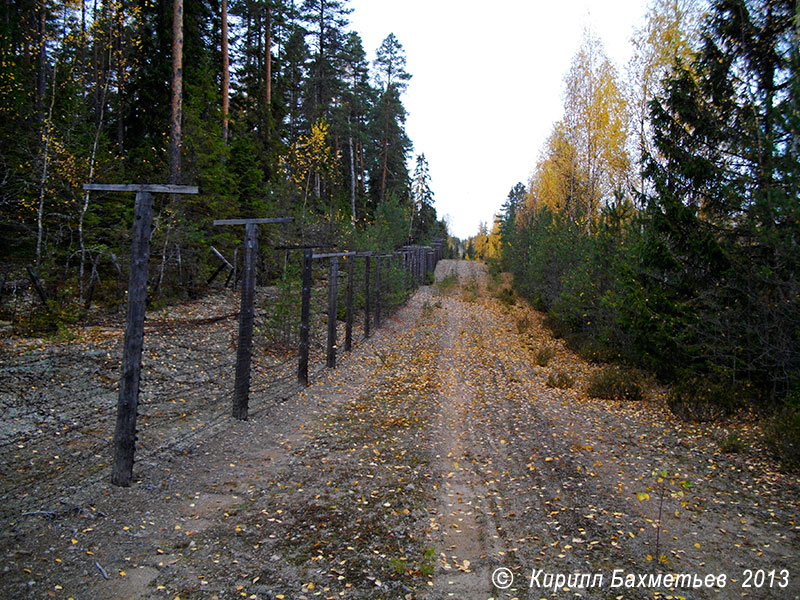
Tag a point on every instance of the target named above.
point(241, 387)
point(125, 431)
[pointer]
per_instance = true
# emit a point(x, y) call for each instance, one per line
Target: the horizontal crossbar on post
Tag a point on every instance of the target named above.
point(303, 246)
point(334, 254)
point(155, 188)
point(254, 221)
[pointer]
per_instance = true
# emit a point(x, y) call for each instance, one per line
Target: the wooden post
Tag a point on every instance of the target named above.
point(241, 386)
point(333, 285)
point(125, 432)
point(377, 292)
point(128, 399)
point(366, 295)
point(348, 328)
point(388, 285)
point(305, 313)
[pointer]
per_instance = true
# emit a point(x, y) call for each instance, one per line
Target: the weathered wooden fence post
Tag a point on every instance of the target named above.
point(377, 291)
point(418, 259)
point(333, 287)
point(366, 295)
point(348, 327)
point(241, 387)
point(244, 354)
point(305, 314)
point(388, 285)
point(125, 432)
point(128, 399)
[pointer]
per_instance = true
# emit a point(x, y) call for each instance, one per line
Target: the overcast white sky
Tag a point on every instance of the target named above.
point(486, 84)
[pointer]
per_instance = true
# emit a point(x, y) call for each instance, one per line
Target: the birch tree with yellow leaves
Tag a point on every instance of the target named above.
point(585, 160)
point(596, 126)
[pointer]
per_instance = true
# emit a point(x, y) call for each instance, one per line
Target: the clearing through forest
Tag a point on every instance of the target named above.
point(437, 461)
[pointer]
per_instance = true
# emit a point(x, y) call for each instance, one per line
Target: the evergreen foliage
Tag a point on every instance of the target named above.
point(312, 131)
point(693, 271)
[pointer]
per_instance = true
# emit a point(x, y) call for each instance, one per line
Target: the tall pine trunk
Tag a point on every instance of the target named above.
point(175, 130)
point(177, 93)
point(268, 57)
point(226, 76)
point(352, 174)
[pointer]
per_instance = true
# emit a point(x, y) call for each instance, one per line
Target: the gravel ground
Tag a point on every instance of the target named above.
point(434, 455)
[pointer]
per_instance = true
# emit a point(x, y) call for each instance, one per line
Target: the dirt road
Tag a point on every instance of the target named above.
point(437, 461)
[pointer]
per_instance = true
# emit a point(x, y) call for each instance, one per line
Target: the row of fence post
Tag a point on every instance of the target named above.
point(417, 262)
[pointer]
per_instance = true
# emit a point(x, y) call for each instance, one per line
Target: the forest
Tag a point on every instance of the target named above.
point(606, 395)
point(269, 106)
point(660, 226)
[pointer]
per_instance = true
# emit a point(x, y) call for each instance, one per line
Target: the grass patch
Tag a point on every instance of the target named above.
point(506, 296)
point(542, 355)
point(524, 324)
point(469, 291)
point(616, 383)
point(732, 444)
point(704, 398)
point(447, 284)
point(559, 379)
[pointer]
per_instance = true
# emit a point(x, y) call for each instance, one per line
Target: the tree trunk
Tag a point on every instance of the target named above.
point(46, 134)
point(268, 57)
point(41, 73)
point(85, 207)
point(177, 93)
point(385, 168)
point(352, 175)
point(120, 84)
point(226, 76)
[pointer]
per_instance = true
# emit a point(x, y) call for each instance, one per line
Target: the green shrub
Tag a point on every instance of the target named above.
point(782, 435)
point(704, 398)
point(506, 296)
point(616, 383)
point(53, 318)
point(559, 379)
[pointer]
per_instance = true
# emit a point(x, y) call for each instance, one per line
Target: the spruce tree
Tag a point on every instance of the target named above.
point(723, 218)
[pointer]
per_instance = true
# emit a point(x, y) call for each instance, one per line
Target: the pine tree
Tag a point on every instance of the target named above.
point(357, 98)
point(389, 173)
point(326, 21)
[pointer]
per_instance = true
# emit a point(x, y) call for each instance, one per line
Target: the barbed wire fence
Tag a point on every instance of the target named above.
point(58, 401)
